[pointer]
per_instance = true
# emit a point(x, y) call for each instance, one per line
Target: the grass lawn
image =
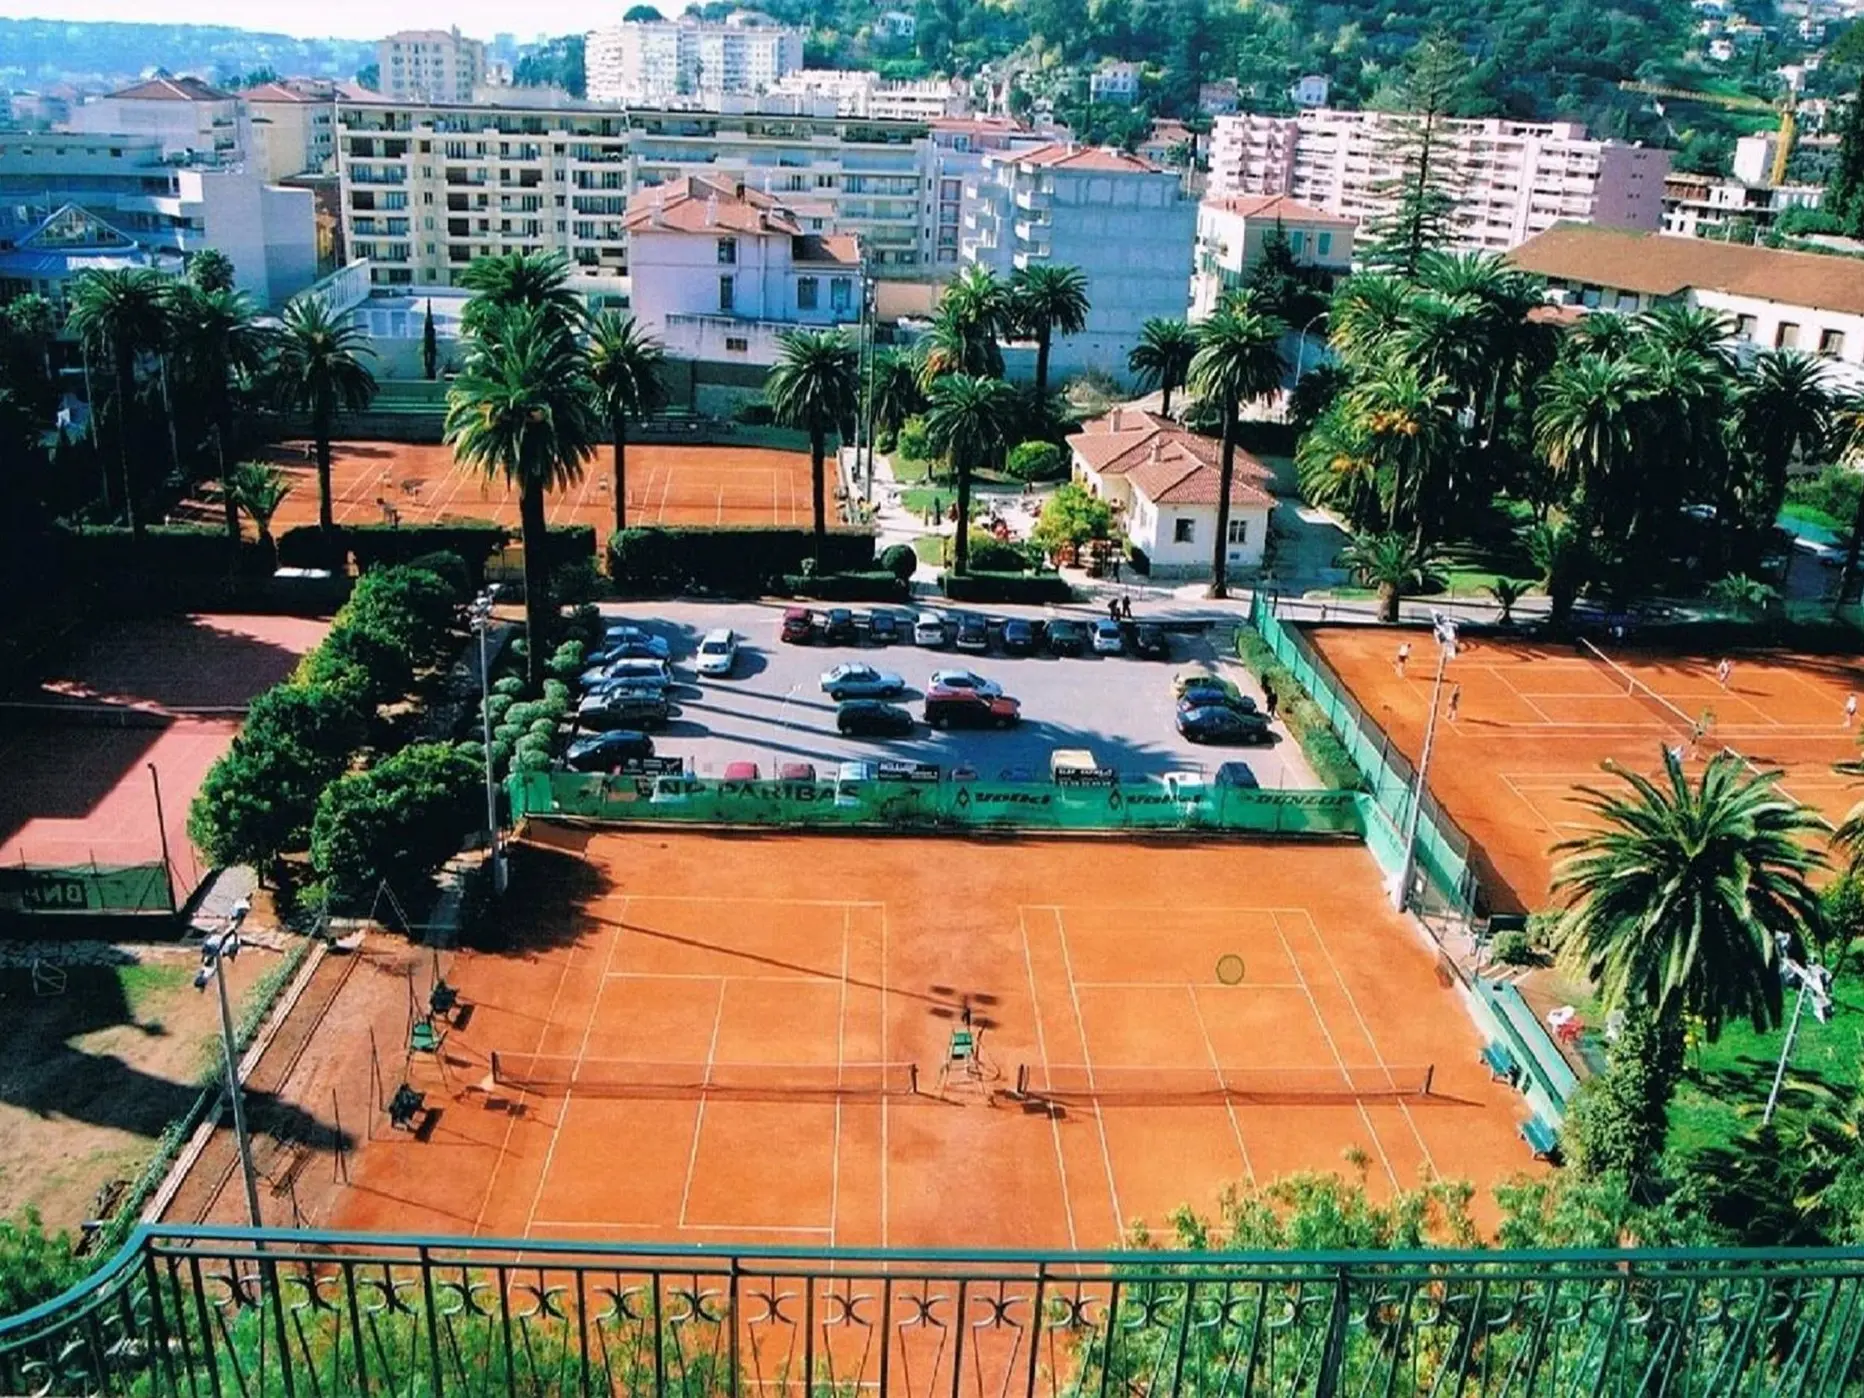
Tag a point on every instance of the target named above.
point(931, 549)
point(919, 500)
point(1817, 518)
point(910, 470)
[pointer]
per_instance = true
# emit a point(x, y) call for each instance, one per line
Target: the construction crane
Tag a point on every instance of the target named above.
point(1787, 107)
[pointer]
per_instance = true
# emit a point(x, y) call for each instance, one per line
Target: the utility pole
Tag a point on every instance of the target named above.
point(216, 952)
point(1815, 984)
point(1444, 629)
point(480, 614)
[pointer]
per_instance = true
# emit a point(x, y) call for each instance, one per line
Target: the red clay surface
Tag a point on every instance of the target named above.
point(666, 485)
point(78, 793)
point(1537, 721)
point(814, 952)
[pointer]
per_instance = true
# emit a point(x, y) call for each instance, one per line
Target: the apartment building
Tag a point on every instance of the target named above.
point(721, 271)
point(1696, 206)
point(1114, 82)
point(959, 145)
point(1124, 222)
point(293, 126)
point(193, 120)
point(1510, 179)
point(1232, 232)
point(855, 92)
point(647, 63)
point(429, 65)
point(124, 192)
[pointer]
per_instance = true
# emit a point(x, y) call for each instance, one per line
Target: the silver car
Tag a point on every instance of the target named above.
point(852, 680)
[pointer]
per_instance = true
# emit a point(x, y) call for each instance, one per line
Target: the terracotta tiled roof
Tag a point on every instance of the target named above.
point(1187, 482)
point(1275, 206)
point(1144, 438)
point(279, 92)
point(1124, 418)
point(1065, 157)
point(695, 205)
point(843, 249)
point(173, 90)
point(1656, 264)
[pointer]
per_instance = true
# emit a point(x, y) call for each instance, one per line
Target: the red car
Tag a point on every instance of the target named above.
point(970, 708)
point(741, 772)
point(798, 626)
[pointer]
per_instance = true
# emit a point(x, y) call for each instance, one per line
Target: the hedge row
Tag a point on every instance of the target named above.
point(739, 561)
point(472, 542)
point(1325, 753)
point(1006, 587)
point(876, 585)
point(97, 552)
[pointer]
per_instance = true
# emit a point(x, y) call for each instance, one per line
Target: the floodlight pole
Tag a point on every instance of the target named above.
point(214, 959)
point(1807, 977)
point(482, 622)
point(1445, 631)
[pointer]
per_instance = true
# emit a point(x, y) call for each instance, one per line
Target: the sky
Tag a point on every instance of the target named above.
point(344, 19)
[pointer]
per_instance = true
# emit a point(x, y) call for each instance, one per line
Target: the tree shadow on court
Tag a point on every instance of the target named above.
point(545, 905)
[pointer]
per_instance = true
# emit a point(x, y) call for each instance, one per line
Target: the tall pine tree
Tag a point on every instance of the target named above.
point(1844, 193)
point(1420, 200)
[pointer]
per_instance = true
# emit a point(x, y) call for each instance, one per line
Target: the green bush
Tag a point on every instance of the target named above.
point(400, 820)
point(509, 685)
point(450, 569)
point(525, 713)
point(1618, 1121)
point(1513, 947)
point(545, 728)
point(507, 732)
point(531, 743)
point(577, 582)
point(899, 560)
point(913, 440)
point(567, 660)
point(1006, 587)
point(1322, 747)
point(497, 706)
point(556, 692)
point(733, 561)
point(108, 554)
point(566, 544)
point(34, 1265)
point(990, 554)
point(753, 414)
point(405, 607)
point(472, 543)
point(878, 585)
point(532, 762)
point(584, 624)
point(1037, 461)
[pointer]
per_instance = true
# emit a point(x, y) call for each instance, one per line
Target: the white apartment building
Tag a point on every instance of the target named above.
point(721, 271)
point(191, 119)
point(293, 128)
point(655, 62)
point(959, 145)
point(1114, 82)
point(130, 192)
point(1511, 179)
point(1771, 299)
point(1311, 90)
point(856, 92)
point(429, 65)
point(1124, 222)
point(1231, 233)
point(1695, 206)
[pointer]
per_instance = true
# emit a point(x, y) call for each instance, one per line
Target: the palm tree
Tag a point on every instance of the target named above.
point(1785, 411)
point(893, 393)
point(503, 280)
point(259, 490)
point(1586, 426)
point(119, 316)
point(1047, 299)
point(1411, 437)
point(1507, 593)
point(1238, 360)
point(523, 409)
point(1848, 439)
point(211, 270)
point(1393, 563)
point(968, 423)
point(1337, 471)
point(1562, 551)
point(320, 371)
point(1162, 358)
point(625, 366)
point(1366, 311)
point(815, 386)
point(1679, 900)
point(973, 315)
point(219, 349)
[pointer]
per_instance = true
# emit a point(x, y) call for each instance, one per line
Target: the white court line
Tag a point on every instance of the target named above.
point(769, 902)
point(885, 1152)
point(1087, 1061)
point(1173, 985)
point(711, 976)
point(1340, 1062)
point(703, 1227)
point(1035, 1004)
point(1229, 1105)
point(841, 1056)
point(1547, 826)
point(711, 1055)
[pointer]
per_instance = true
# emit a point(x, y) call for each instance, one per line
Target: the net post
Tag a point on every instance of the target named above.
point(1430, 1073)
point(912, 1079)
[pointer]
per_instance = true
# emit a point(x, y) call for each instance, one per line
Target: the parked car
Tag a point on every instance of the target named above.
point(965, 679)
point(718, 652)
point(838, 626)
point(1191, 674)
point(929, 629)
point(1149, 641)
point(798, 626)
point(883, 628)
point(639, 669)
point(852, 680)
point(1218, 723)
point(970, 708)
point(624, 634)
point(608, 710)
point(603, 752)
point(1236, 774)
point(741, 772)
point(1215, 691)
point(796, 771)
point(1108, 638)
point(1020, 637)
point(1067, 637)
point(870, 718)
point(626, 650)
point(973, 633)
point(1018, 775)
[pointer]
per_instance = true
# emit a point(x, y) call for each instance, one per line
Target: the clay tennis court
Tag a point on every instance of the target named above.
point(1536, 721)
point(779, 967)
point(377, 482)
point(124, 697)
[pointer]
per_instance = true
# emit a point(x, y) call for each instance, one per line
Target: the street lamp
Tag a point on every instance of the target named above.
point(1815, 984)
point(1300, 352)
point(1444, 629)
point(215, 953)
point(480, 614)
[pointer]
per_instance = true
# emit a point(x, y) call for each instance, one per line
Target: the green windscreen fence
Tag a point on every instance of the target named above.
point(135, 888)
point(1445, 879)
point(1146, 804)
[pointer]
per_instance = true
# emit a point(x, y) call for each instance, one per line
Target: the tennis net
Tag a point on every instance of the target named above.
point(1636, 689)
point(1066, 1083)
point(556, 1074)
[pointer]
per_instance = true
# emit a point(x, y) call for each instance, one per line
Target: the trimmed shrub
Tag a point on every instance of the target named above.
point(509, 684)
point(565, 544)
point(525, 713)
point(1322, 747)
point(507, 732)
point(101, 553)
point(404, 607)
point(556, 692)
point(531, 743)
point(576, 583)
point(399, 820)
point(754, 414)
point(567, 660)
point(545, 728)
point(876, 585)
point(450, 569)
point(990, 554)
point(1037, 461)
point(532, 762)
point(1513, 948)
point(900, 560)
point(734, 561)
point(374, 545)
point(1006, 587)
point(913, 440)
point(497, 706)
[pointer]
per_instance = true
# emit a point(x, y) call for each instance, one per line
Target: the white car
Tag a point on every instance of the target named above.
point(966, 679)
point(718, 652)
point(929, 629)
point(1108, 638)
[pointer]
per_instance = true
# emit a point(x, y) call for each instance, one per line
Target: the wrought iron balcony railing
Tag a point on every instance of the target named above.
point(222, 1312)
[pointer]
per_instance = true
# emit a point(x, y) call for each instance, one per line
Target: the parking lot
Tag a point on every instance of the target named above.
point(772, 709)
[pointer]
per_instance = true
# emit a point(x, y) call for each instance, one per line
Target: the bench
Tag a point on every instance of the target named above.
point(1500, 1062)
point(404, 1106)
point(1541, 1138)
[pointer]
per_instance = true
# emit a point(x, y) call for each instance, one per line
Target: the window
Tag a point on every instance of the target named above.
point(1323, 244)
point(735, 344)
point(728, 252)
point(840, 293)
point(1832, 343)
point(808, 293)
point(1786, 336)
point(727, 294)
point(1239, 531)
point(1183, 531)
point(1297, 241)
